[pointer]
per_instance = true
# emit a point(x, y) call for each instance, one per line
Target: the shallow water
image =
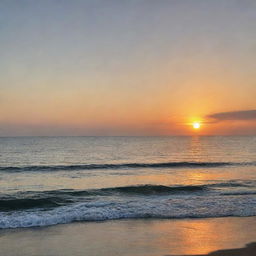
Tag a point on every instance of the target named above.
point(52, 180)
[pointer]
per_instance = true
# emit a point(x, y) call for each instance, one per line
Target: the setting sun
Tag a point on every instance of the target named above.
point(196, 125)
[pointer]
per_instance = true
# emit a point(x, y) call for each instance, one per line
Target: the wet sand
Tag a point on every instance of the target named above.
point(134, 238)
point(249, 250)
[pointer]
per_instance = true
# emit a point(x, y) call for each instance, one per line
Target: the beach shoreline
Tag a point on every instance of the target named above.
point(248, 250)
point(138, 237)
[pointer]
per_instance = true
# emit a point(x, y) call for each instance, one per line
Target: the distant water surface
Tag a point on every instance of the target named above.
point(51, 180)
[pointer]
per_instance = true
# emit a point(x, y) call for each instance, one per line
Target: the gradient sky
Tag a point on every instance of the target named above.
point(127, 67)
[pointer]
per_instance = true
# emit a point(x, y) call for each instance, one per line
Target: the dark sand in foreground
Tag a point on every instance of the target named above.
point(249, 250)
point(134, 238)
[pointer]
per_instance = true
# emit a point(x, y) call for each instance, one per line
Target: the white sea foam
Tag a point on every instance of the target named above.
point(196, 207)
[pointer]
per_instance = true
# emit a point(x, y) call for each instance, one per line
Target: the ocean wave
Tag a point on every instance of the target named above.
point(121, 166)
point(15, 204)
point(196, 207)
point(239, 193)
point(57, 198)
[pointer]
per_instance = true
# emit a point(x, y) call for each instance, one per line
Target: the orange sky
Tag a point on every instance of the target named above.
point(146, 68)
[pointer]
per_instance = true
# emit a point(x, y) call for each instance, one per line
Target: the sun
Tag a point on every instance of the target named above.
point(196, 125)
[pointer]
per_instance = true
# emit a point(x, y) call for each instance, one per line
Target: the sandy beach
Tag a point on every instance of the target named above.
point(127, 128)
point(134, 237)
point(249, 250)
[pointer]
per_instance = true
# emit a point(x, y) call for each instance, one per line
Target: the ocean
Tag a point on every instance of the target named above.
point(56, 180)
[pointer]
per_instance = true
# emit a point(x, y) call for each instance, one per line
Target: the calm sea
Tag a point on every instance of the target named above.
point(51, 180)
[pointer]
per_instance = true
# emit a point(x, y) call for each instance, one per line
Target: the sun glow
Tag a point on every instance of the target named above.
point(196, 125)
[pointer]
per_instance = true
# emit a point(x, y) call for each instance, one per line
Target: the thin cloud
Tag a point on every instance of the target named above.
point(234, 115)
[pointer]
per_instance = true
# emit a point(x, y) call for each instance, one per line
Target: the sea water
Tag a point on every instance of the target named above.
point(52, 180)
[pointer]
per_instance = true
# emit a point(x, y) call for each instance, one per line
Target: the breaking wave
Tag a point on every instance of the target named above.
point(121, 166)
point(57, 198)
point(157, 208)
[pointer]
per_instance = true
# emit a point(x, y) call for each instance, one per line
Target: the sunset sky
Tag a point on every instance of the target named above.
point(139, 67)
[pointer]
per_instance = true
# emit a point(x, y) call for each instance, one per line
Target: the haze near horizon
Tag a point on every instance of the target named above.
point(127, 67)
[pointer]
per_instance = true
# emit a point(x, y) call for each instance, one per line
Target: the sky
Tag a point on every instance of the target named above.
point(127, 67)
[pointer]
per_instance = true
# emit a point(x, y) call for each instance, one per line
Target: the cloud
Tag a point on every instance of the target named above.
point(234, 115)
